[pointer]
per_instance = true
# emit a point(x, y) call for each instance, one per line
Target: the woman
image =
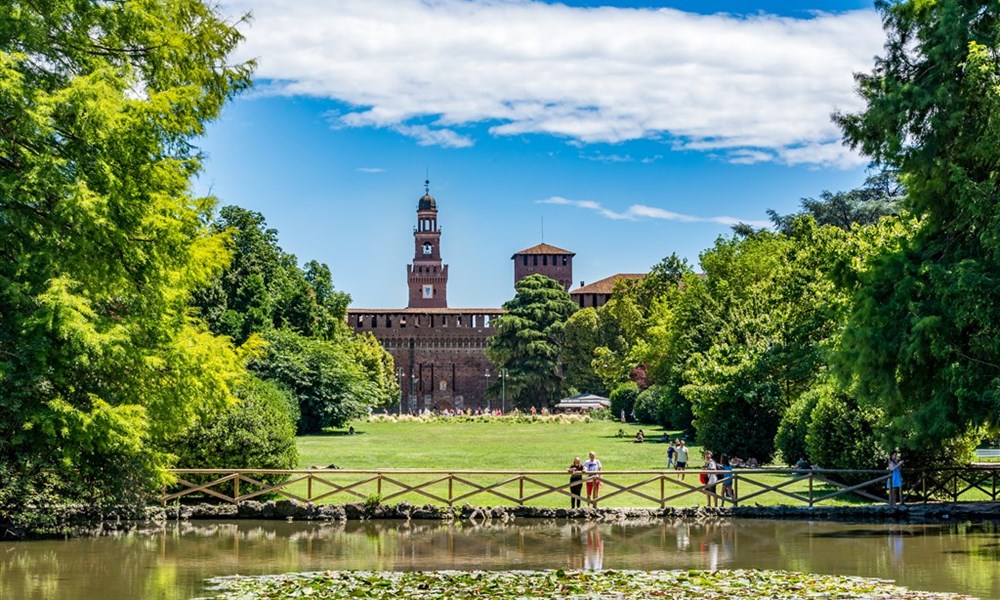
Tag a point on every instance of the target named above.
point(575, 471)
point(711, 480)
point(895, 482)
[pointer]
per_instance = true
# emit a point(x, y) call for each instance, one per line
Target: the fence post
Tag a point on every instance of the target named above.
point(236, 489)
point(520, 492)
point(379, 484)
point(810, 489)
point(663, 495)
point(736, 489)
point(309, 488)
point(451, 479)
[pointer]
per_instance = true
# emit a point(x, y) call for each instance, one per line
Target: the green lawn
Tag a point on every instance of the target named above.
point(502, 445)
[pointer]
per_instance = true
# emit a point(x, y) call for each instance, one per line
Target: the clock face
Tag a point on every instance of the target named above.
point(428, 248)
point(428, 291)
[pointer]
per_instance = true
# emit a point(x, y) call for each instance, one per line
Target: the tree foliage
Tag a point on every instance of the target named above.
point(100, 361)
point(923, 340)
point(529, 341)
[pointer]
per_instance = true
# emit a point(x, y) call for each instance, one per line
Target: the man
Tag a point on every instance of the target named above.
point(682, 456)
point(670, 456)
point(592, 467)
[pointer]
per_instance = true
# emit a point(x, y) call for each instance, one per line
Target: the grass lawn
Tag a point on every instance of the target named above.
point(503, 445)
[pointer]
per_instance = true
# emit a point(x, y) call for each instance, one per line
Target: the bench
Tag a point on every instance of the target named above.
point(987, 452)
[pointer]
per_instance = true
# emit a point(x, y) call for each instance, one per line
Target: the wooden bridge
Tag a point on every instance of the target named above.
point(662, 488)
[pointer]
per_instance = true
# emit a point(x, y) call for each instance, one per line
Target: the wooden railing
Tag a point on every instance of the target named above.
point(640, 488)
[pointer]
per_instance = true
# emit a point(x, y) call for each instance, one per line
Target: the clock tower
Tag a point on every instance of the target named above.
point(426, 277)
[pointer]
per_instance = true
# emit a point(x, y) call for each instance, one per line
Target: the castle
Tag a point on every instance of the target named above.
point(439, 351)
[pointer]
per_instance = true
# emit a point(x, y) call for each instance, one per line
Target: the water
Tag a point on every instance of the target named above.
point(173, 563)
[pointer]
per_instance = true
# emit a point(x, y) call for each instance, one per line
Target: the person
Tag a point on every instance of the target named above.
point(575, 471)
point(803, 464)
point(593, 468)
point(621, 433)
point(640, 437)
point(728, 493)
point(670, 456)
point(895, 482)
point(682, 456)
point(710, 480)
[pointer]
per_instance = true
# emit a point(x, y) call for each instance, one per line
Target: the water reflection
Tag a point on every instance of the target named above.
point(172, 563)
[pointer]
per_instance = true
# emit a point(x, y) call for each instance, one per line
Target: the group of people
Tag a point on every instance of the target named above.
point(589, 472)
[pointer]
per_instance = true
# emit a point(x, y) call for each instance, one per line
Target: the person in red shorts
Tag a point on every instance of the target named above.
point(592, 466)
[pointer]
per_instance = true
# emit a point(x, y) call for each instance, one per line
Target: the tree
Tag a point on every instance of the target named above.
point(100, 361)
point(529, 341)
point(880, 196)
point(580, 341)
point(923, 341)
point(332, 387)
point(258, 432)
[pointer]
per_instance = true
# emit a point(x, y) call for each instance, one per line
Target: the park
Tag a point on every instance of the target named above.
point(781, 380)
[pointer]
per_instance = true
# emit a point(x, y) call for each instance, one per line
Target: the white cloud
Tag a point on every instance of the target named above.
point(370, 170)
point(758, 87)
point(638, 212)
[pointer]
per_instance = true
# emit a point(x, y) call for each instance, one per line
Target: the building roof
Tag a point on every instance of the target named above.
point(607, 285)
point(544, 249)
point(425, 311)
point(427, 202)
point(585, 402)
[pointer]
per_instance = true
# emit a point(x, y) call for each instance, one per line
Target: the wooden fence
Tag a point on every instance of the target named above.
point(636, 488)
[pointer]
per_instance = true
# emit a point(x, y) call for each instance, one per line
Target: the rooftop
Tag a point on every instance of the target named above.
point(607, 285)
point(544, 249)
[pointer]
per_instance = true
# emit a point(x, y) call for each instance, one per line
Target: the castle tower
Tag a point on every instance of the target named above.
point(547, 260)
point(426, 277)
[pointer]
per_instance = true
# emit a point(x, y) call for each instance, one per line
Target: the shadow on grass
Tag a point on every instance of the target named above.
point(337, 433)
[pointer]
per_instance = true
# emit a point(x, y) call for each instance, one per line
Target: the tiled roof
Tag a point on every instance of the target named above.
point(544, 249)
point(606, 285)
point(425, 311)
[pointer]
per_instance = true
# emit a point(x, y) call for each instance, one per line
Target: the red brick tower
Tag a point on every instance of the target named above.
point(547, 260)
point(426, 277)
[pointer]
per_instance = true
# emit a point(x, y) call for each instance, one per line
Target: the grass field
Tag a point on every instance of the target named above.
point(502, 445)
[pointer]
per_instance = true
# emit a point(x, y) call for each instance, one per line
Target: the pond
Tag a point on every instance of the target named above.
point(172, 563)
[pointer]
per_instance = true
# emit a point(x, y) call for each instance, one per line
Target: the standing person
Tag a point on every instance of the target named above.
point(727, 480)
point(895, 482)
point(710, 479)
point(575, 471)
point(670, 455)
point(593, 468)
point(681, 455)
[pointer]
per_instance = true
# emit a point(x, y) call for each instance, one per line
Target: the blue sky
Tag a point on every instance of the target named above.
point(630, 129)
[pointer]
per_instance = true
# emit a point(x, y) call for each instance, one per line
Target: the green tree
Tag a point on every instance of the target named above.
point(258, 432)
point(923, 341)
point(529, 341)
point(581, 340)
point(100, 361)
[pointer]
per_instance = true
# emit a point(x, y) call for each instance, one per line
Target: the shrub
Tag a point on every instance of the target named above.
point(650, 406)
point(841, 434)
point(623, 400)
point(258, 432)
point(790, 440)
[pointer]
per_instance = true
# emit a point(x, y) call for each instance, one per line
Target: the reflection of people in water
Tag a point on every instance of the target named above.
point(593, 558)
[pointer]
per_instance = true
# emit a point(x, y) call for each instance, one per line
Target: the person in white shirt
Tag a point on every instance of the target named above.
point(592, 467)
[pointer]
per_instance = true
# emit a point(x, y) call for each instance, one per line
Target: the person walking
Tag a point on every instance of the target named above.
point(670, 455)
point(681, 455)
point(575, 471)
point(592, 466)
point(895, 482)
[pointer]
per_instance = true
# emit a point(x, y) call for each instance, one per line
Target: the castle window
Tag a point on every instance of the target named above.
point(534, 260)
point(374, 321)
point(525, 257)
point(388, 321)
point(545, 260)
point(565, 260)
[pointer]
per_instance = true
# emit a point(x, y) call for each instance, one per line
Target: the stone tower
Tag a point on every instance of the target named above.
point(426, 277)
point(547, 260)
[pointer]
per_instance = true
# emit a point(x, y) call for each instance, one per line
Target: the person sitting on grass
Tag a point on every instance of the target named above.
point(640, 437)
